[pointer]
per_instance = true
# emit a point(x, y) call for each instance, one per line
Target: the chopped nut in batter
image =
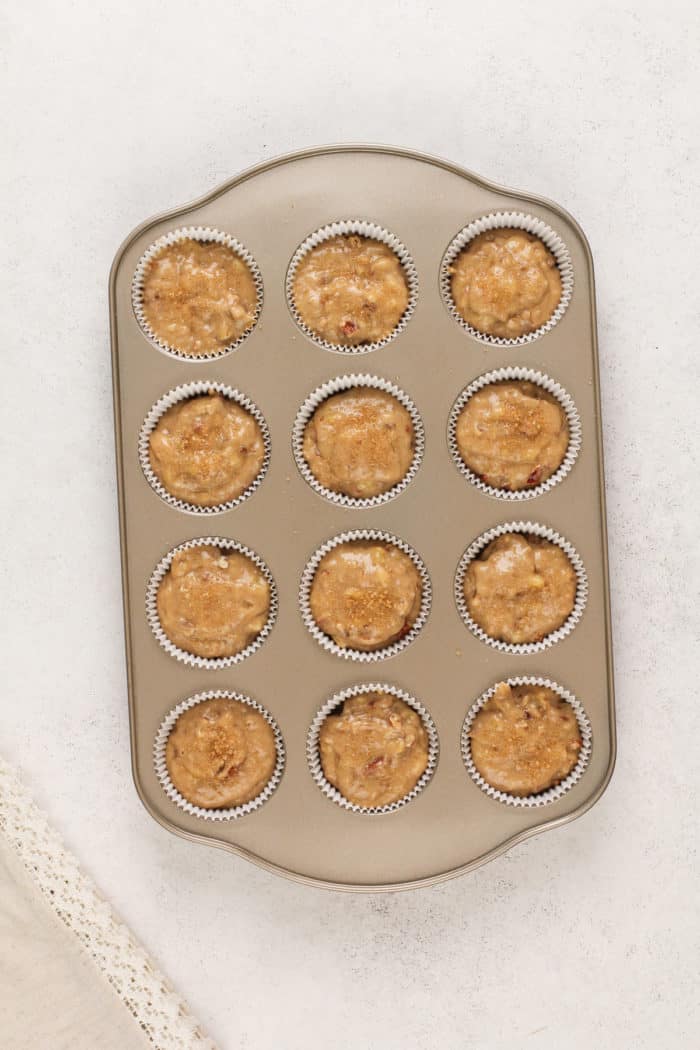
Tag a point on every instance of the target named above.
point(365, 594)
point(350, 290)
point(359, 442)
point(525, 739)
point(206, 450)
point(505, 283)
point(374, 750)
point(213, 602)
point(220, 753)
point(513, 435)
point(520, 588)
point(198, 296)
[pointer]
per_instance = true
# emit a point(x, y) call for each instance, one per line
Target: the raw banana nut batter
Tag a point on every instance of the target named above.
point(359, 442)
point(198, 296)
point(505, 283)
point(375, 750)
point(525, 739)
point(220, 753)
point(207, 450)
point(213, 602)
point(520, 588)
point(512, 435)
point(365, 595)
point(350, 290)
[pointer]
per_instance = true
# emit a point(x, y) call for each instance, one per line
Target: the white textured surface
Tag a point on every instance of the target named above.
point(585, 937)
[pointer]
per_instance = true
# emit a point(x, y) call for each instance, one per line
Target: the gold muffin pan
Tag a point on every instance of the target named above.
point(451, 825)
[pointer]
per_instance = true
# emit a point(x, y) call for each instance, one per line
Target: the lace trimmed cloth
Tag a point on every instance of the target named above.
point(72, 976)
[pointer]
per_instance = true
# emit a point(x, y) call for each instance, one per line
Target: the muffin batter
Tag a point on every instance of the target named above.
point(359, 442)
point(512, 435)
point(505, 283)
point(198, 296)
point(520, 588)
point(220, 753)
point(350, 290)
point(365, 594)
point(375, 750)
point(206, 450)
point(525, 739)
point(213, 602)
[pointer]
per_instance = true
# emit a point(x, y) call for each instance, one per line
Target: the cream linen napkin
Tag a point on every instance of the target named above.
point(72, 977)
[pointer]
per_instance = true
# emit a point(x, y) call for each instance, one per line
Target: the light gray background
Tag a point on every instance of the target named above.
point(585, 937)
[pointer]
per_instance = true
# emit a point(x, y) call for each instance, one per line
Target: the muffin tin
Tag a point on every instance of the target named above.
point(451, 825)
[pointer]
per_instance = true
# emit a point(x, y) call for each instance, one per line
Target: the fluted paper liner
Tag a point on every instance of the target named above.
point(185, 393)
point(525, 528)
point(552, 794)
point(360, 655)
point(210, 663)
point(515, 374)
point(161, 767)
point(363, 229)
point(313, 754)
point(195, 233)
point(336, 386)
point(509, 220)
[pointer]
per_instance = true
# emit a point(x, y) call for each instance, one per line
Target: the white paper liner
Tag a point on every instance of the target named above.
point(335, 386)
point(163, 775)
point(532, 529)
point(364, 229)
point(185, 393)
point(551, 794)
point(510, 374)
point(209, 663)
point(360, 655)
point(195, 233)
point(519, 221)
point(313, 755)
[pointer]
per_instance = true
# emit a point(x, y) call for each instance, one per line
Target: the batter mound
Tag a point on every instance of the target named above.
point(350, 290)
point(359, 442)
point(213, 602)
point(365, 595)
point(505, 283)
point(525, 739)
point(198, 296)
point(206, 450)
point(220, 753)
point(520, 588)
point(375, 750)
point(512, 435)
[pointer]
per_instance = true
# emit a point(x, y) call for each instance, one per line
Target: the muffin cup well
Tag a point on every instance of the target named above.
point(185, 393)
point(161, 768)
point(336, 386)
point(361, 655)
point(195, 233)
point(552, 794)
point(525, 528)
point(313, 753)
point(518, 221)
point(363, 229)
point(210, 663)
point(511, 374)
